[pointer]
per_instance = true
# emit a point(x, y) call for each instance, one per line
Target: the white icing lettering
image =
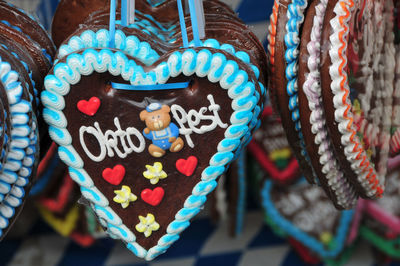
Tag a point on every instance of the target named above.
point(108, 142)
point(193, 119)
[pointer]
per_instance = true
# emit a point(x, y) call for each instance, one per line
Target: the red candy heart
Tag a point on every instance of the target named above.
point(187, 166)
point(89, 107)
point(153, 197)
point(114, 176)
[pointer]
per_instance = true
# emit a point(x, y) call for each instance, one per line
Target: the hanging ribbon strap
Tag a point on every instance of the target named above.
point(113, 9)
point(127, 12)
point(155, 87)
point(198, 22)
point(183, 24)
point(197, 19)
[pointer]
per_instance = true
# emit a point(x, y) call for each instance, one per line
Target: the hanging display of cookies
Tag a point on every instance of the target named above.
point(134, 116)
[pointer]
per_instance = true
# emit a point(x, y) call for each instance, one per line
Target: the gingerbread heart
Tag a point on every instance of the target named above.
point(147, 132)
point(304, 213)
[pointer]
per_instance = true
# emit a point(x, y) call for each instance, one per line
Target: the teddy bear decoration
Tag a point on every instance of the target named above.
point(160, 130)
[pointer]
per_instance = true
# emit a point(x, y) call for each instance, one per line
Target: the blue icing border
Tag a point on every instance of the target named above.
point(28, 70)
point(18, 166)
point(341, 234)
point(243, 100)
point(295, 15)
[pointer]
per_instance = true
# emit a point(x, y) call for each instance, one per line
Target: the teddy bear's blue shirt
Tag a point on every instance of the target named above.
point(161, 138)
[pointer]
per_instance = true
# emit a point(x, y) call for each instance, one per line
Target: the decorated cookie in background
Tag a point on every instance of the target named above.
point(70, 14)
point(284, 33)
point(304, 213)
point(56, 197)
point(78, 223)
point(18, 18)
point(60, 210)
point(36, 62)
point(357, 102)
point(388, 245)
point(5, 125)
point(176, 183)
point(22, 157)
point(272, 151)
point(34, 50)
point(317, 139)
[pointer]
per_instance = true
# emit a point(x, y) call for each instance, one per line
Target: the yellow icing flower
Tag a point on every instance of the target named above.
point(147, 225)
point(280, 154)
point(154, 173)
point(124, 196)
point(326, 238)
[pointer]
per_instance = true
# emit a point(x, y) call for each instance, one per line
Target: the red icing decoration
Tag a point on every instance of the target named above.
point(153, 197)
point(114, 176)
point(187, 166)
point(89, 107)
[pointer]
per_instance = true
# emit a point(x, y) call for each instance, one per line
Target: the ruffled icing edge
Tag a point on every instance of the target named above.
point(355, 153)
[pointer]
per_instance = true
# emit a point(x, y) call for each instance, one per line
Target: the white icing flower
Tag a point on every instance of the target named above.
point(124, 196)
point(147, 225)
point(154, 173)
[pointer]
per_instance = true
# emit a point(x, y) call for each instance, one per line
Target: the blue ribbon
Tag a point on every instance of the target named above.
point(124, 13)
point(155, 87)
point(113, 10)
point(183, 24)
point(195, 26)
